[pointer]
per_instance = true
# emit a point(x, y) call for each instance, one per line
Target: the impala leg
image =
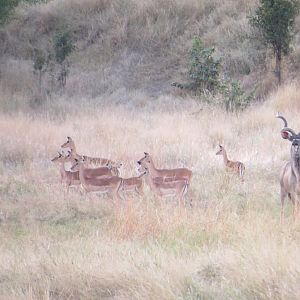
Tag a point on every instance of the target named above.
point(183, 192)
point(68, 188)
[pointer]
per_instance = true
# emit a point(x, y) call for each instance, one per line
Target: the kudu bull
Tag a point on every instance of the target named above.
point(290, 173)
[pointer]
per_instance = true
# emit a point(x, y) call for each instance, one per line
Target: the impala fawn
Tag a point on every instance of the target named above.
point(233, 166)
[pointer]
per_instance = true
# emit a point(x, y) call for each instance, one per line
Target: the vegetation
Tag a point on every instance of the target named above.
point(6, 8)
point(118, 103)
point(275, 21)
point(230, 245)
point(234, 97)
point(204, 69)
point(40, 63)
point(63, 46)
point(204, 78)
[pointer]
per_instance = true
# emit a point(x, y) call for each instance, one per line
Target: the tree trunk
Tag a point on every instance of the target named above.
point(278, 58)
point(40, 83)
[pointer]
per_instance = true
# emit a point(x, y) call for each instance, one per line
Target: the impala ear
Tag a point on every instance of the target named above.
point(146, 154)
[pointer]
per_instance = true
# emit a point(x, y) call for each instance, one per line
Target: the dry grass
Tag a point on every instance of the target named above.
point(230, 245)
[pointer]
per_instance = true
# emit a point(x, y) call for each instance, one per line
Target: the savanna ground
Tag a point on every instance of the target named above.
point(230, 245)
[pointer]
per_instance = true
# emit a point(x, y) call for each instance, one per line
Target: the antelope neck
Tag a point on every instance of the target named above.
point(225, 158)
point(81, 176)
point(152, 169)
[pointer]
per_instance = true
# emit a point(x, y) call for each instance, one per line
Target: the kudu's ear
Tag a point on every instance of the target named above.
point(284, 135)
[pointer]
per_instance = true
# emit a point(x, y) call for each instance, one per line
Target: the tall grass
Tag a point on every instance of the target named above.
point(229, 245)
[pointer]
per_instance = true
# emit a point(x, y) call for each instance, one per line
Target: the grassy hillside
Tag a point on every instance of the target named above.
point(135, 45)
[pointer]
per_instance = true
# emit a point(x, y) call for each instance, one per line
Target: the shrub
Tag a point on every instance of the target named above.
point(234, 97)
point(204, 69)
point(63, 46)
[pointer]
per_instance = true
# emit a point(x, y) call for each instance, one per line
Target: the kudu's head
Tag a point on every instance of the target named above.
point(289, 134)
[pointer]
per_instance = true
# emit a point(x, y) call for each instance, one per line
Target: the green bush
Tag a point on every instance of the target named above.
point(203, 70)
point(6, 9)
point(204, 77)
point(234, 97)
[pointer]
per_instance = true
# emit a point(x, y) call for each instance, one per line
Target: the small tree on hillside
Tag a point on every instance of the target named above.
point(203, 69)
point(40, 64)
point(275, 21)
point(63, 46)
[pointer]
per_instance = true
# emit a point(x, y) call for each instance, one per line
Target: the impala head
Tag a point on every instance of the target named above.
point(114, 167)
point(221, 150)
point(145, 159)
point(142, 169)
point(77, 163)
point(58, 158)
point(68, 144)
point(289, 134)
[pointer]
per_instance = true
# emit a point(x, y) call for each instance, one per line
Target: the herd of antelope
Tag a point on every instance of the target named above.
point(102, 175)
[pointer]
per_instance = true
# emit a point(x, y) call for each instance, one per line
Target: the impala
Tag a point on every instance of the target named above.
point(290, 173)
point(100, 185)
point(69, 178)
point(235, 166)
point(107, 171)
point(133, 184)
point(89, 160)
point(176, 188)
point(180, 173)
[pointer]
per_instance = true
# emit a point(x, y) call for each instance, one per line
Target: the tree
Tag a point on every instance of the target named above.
point(6, 9)
point(275, 20)
point(40, 63)
point(63, 46)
